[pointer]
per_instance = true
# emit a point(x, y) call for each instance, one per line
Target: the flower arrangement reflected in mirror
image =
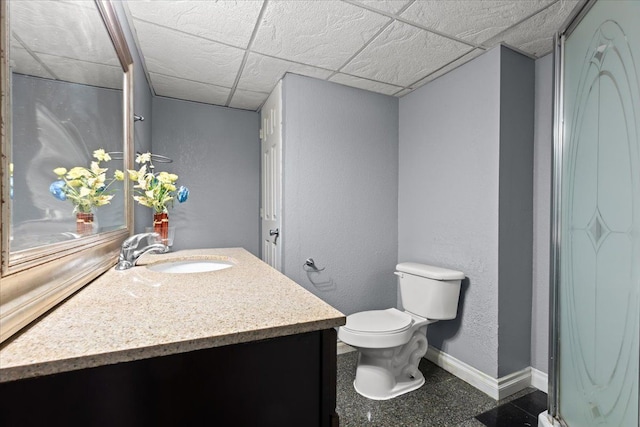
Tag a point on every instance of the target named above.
point(85, 188)
point(158, 191)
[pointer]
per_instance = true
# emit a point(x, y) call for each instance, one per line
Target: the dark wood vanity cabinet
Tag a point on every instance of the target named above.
point(284, 381)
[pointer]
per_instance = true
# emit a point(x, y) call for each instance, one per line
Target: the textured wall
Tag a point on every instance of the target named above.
point(517, 85)
point(543, 148)
point(341, 192)
point(141, 106)
point(448, 198)
point(216, 153)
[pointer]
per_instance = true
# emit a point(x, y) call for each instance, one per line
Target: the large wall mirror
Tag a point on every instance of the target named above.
point(66, 101)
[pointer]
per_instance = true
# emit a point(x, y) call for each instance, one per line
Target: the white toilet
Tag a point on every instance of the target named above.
point(392, 342)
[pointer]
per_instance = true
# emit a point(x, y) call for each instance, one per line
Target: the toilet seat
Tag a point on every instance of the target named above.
point(379, 321)
point(377, 329)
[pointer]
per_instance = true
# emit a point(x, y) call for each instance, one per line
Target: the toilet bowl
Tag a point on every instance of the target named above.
point(391, 342)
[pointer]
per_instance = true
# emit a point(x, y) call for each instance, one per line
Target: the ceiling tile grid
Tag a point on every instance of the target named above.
point(402, 54)
point(365, 84)
point(243, 48)
point(181, 55)
point(261, 73)
point(473, 21)
point(535, 35)
point(173, 87)
point(223, 21)
point(320, 33)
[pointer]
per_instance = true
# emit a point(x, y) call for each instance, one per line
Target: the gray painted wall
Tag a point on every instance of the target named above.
point(216, 154)
point(465, 200)
point(448, 198)
point(141, 106)
point(543, 148)
point(517, 84)
point(340, 190)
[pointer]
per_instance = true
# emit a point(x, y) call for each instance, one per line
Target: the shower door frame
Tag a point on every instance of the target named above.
point(556, 205)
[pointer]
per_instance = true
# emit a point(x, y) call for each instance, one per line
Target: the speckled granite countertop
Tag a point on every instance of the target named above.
point(137, 314)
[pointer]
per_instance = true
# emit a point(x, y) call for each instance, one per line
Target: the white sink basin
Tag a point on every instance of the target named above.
point(190, 266)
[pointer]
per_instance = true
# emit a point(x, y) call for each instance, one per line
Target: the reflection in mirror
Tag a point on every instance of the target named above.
point(67, 102)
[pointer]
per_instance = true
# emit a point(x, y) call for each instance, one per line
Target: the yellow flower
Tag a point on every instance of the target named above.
point(118, 175)
point(84, 192)
point(143, 158)
point(164, 178)
point(133, 175)
point(75, 183)
point(101, 155)
point(96, 169)
point(170, 187)
point(58, 171)
point(173, 177)
point(78, 172)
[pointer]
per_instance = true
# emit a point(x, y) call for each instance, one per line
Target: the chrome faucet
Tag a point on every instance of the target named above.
point(129, 253)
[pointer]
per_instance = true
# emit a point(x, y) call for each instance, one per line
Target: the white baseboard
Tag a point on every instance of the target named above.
point(539, 380)
point(497, 388)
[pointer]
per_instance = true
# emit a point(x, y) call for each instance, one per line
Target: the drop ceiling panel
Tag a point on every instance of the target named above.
point(369, 85)
point(225, 21)
point(261, 73)
point(83, 72)
point(188, 57)
point(188, 46)
point(23, 63)
point(535, 35)
point(473, 21)
point(320, 33)
point(247, 100)
point(452, 65)
point(188, 90)
point(62, 29)
point(389, 6)
point(403, 54)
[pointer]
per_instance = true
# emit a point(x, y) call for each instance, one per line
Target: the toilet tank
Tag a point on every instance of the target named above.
point(429, 291)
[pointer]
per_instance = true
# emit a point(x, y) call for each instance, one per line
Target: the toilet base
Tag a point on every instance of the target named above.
point(385, 373)
point(401, 387)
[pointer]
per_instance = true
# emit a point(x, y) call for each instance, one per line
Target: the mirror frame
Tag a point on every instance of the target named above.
point(35, 280)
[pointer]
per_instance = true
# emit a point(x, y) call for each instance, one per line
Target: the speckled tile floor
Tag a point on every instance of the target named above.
point(443, 401)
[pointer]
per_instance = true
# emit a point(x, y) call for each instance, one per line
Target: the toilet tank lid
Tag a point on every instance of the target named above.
point(429, 271)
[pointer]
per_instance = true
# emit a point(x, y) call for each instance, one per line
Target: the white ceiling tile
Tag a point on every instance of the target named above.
point(188, 90)
point(181, 55)
point(535, 35)
point(402, 54)
point(453, 65)
point(22, 62)
point(247, 100)
point(321, 33)
point(473, 21)
point(365, 84)
point(261, 73)
point(63, 29)
point(389, 6)
point(88, 73)
point(229, 22)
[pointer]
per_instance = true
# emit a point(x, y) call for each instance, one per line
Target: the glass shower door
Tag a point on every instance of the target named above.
point(599, 280)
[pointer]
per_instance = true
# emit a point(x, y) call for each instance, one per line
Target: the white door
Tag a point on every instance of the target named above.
point(271, 204)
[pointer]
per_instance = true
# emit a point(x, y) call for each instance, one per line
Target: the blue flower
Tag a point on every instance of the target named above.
point(57, 189)
point(183, 194)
